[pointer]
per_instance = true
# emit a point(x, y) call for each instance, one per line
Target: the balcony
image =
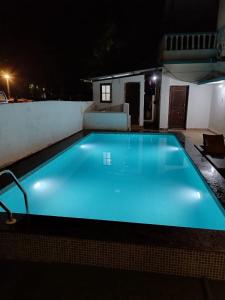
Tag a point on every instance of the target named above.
point(184, 47)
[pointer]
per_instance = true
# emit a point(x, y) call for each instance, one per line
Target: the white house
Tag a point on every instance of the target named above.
point(186, 92)
point(128, 92)
point(193, 79)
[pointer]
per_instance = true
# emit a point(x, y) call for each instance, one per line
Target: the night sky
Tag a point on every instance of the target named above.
point(55, 44)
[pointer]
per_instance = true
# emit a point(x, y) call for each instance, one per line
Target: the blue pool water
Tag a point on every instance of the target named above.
point(137, 178)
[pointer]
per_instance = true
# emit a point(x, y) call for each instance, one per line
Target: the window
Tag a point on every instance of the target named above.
point(106, 92)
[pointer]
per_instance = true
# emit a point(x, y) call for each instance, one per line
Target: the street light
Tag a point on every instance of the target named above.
point(7, 78)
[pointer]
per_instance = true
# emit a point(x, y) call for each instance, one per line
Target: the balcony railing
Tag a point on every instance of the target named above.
point(190, 41)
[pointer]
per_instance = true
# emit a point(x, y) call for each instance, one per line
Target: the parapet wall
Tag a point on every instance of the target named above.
point(26, 128)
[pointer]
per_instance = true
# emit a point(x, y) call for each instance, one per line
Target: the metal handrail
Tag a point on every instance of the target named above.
point(19, 186)
point(10, 219)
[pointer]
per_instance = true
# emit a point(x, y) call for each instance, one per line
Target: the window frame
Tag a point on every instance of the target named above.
point(106, 84)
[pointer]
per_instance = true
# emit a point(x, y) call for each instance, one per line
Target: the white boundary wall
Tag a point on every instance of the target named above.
point(26, 128)
point(106, 121)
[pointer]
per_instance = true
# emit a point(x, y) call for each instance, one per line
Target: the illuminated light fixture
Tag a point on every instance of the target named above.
point(44, 185)
point(154, 77)
point(86, 146)
point(198, 195)
point(37, 185)
point(220, 86)
point(7, 76)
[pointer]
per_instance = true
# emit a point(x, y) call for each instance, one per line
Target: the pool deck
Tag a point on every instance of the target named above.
point(152, 248)
point(195, 136)
point(62, 281)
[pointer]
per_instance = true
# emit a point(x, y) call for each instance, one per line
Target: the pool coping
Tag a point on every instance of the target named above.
point(120, 232)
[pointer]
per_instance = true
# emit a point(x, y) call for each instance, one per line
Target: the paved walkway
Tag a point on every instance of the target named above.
point(195, 136)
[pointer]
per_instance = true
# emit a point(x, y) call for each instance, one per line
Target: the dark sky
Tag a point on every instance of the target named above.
point(55, 44)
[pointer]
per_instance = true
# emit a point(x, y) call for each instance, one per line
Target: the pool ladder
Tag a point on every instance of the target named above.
point(10, 219)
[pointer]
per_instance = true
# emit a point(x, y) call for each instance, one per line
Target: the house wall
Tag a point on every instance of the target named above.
point(217, 114)
point(118, 93)
point(221, 14)
point(199, 103)
point(26, 128)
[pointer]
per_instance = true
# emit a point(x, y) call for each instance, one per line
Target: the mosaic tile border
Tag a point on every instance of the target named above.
point(144, 258)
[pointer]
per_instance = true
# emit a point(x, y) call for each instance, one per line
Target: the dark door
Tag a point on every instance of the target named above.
point(132, 96)
point(178, 106)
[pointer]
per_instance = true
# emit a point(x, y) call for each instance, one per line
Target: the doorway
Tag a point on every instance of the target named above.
point(132, 96)
point(178, 107)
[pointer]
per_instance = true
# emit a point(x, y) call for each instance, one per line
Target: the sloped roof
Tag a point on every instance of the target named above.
point(120, 75)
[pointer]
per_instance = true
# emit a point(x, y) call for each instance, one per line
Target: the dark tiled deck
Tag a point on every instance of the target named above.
point(61, 281)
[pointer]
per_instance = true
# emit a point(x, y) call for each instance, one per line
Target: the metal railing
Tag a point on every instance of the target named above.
point(8, 172)
point(10, 219)
point(190, 41)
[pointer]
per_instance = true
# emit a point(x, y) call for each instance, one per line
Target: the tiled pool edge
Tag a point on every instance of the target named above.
point(132, 257)
point(160, 249)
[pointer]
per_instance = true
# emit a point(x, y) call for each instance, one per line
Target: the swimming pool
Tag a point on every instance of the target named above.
point(134, 178)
